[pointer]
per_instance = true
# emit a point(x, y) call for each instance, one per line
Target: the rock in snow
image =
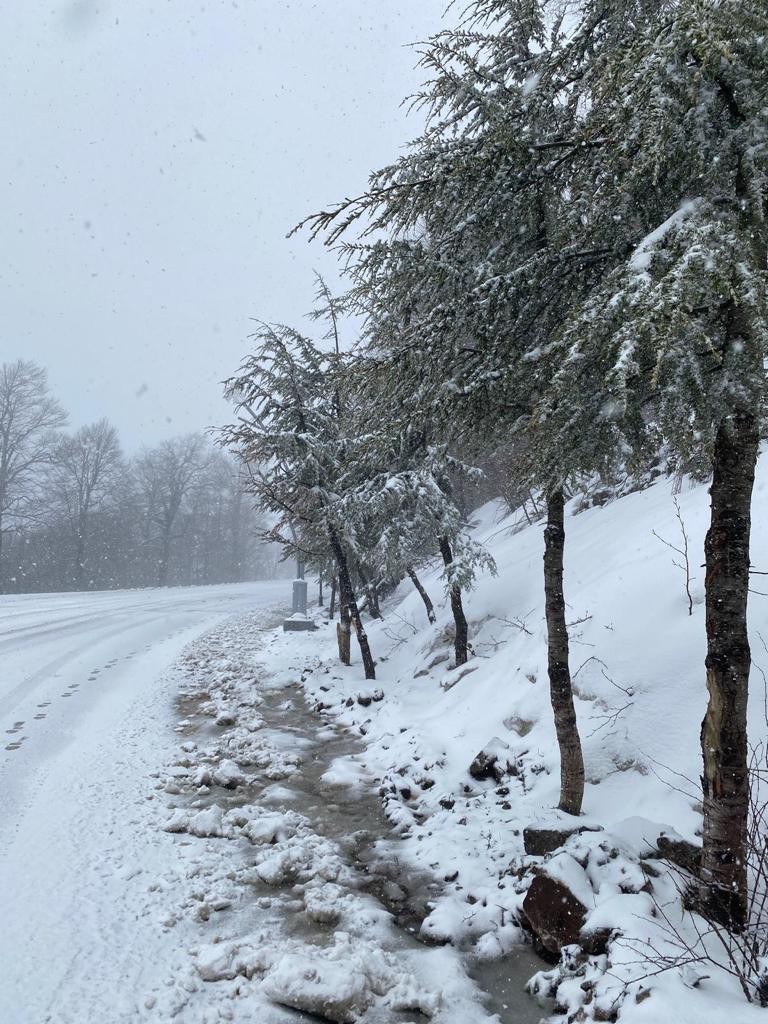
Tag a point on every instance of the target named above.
point(493, 762)
point(538, 842)
point(686, 855)
point(556, 915)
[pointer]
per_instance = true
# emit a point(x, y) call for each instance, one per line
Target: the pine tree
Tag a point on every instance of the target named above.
point(292, 437)
point(680, 328)
point(405, 504)
point(577, 245)
point(477, 267)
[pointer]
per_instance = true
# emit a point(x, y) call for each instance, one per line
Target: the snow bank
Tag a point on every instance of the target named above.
point(284, 923)
point(637, 660)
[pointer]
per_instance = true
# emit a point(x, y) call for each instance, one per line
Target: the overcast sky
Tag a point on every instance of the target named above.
point(154, 154)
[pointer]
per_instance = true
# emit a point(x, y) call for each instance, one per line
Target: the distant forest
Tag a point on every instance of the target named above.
point(78, 514)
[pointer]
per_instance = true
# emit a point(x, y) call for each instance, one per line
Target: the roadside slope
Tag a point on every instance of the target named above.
point(637, 657)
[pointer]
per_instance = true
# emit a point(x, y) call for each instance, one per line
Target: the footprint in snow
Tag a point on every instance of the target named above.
point(45, 704)
point(40, 715)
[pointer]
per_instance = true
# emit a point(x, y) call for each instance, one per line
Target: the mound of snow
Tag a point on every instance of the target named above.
point(341, 982)
point(203, 823)
point(637, 663)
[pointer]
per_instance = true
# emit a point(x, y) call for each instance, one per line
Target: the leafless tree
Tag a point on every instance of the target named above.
point(74, 513)
point(84, 478)
point(29, 415)
point(683, 552)
point(166, 477)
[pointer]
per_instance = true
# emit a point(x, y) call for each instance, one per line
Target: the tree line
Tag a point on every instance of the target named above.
point(565, 273)
point(77, 514)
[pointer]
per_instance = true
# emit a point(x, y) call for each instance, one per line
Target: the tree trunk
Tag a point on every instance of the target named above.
point(423, 594)
point(344, 634)
point(332, 607)
point(80, 554)
point(561, 692)
point(162, 565)
point(347, 596)
point(344, 626)
point(370, 592)
point(320, 592)
point(236, 554)
point(725, 780)
point(462, 630)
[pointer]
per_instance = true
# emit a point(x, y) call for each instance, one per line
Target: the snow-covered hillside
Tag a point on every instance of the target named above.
point(637, 659)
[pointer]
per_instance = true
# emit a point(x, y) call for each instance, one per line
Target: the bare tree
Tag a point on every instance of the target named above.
point(74, 513)
point(683, 551)
point(167, 475)
point(212, 523)
point(28, 417)
point(84, 476)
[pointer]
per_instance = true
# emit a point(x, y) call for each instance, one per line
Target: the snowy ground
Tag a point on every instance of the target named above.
point(187, 842)
point(638, 663)
point(175, 845)
point(86, 716)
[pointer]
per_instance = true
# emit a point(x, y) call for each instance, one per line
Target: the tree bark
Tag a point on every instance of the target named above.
point(344, 636)
point(348, 602)
point(165, 555)
point(80, 553)
point(561, 692)
point(344, 626)
point(423, 594)
point(723, 894)
point(370, 592)
point(332, 608)
point(461, 642)
point(725, 780)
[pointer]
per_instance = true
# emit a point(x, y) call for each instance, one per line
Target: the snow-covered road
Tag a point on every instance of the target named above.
point(82, 718)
